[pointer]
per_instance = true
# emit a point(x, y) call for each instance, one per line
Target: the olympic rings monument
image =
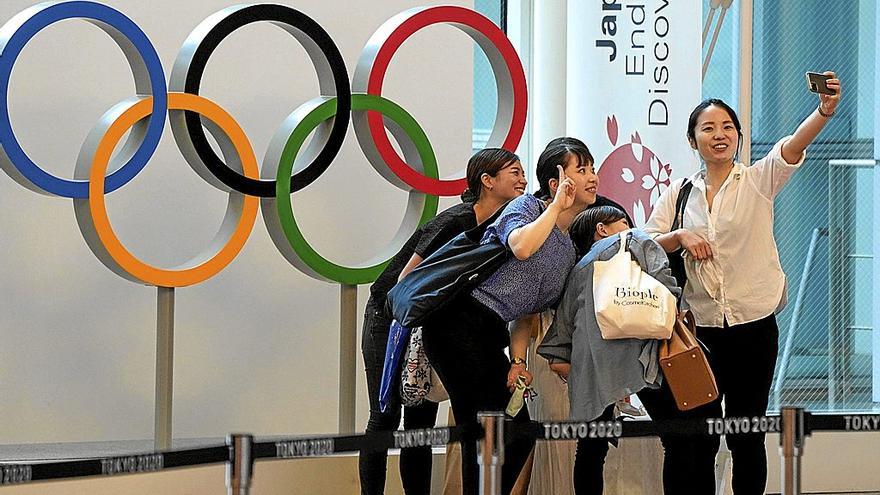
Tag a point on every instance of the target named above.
point(123, 144)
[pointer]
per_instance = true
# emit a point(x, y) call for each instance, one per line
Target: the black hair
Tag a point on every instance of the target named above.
point(557, 155)
point(695, 114)
point(486, 161)
point(583, 228)
point(571, 141)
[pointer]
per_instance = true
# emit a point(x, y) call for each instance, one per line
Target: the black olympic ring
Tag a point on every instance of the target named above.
point(333, 80)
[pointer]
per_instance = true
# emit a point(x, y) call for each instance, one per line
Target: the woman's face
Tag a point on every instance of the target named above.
point(716, 136)
point(508, 183)
point(604, 230)
point(586, 181)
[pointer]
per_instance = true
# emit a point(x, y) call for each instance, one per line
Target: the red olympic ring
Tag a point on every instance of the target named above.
point(475, 25)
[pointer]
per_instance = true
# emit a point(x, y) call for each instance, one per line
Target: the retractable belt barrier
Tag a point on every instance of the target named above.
point(111, 466)
point(241, 451)
point(369, 442)
point(573, 430)
point(792, 424)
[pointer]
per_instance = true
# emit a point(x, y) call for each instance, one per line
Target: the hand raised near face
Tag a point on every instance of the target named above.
point(565, 191)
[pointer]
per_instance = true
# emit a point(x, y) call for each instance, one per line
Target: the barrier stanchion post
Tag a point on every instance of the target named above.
point(239, 468)
point(791, 448)
point(490, 452)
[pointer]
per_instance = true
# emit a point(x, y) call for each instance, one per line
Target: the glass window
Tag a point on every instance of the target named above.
point(721, 53)
point(485, 92)
point(824, 215)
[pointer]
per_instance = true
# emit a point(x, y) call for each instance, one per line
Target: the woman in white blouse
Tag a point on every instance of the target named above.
point(735, 285)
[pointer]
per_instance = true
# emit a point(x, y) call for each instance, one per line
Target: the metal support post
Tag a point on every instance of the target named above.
point(164, 368)
point(746, 16)
point(239, 469)
point(791, 448)
point(490, 452)
point(347, 357)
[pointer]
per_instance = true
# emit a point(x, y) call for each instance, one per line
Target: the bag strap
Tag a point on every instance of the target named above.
point(678, 220)
point(476, 233)
point(687, 318)
point(680, 204)
point(623, 241)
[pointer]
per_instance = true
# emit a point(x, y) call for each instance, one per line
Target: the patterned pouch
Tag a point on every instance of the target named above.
point(416, 377)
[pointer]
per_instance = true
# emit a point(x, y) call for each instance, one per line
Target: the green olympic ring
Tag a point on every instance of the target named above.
point(279, 217)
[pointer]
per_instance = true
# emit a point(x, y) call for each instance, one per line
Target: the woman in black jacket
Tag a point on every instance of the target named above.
point(494, 177)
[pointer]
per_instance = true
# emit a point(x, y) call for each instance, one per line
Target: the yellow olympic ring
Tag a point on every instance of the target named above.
point(241, 212)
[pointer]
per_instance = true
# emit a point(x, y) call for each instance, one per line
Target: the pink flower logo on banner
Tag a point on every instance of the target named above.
point(633, 175)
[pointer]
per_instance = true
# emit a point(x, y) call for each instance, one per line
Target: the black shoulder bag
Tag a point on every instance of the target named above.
point(676, 262)
point(457, 267)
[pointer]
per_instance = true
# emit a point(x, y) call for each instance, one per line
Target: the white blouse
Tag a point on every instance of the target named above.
point(743, 281)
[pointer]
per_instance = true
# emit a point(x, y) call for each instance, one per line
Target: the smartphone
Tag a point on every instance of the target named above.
point(817, 83)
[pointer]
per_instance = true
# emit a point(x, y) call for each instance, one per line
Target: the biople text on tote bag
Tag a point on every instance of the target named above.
point(629, 303)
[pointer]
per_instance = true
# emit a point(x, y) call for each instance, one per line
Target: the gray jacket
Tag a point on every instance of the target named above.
point(604, 371)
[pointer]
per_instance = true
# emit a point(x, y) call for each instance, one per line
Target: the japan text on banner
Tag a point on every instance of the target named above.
point(633, 77)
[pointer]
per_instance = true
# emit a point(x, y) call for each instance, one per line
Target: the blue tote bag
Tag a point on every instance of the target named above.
point(398, 340)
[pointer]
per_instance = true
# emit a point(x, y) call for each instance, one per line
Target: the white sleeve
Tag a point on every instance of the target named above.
point(771, 173)
point(660, 221)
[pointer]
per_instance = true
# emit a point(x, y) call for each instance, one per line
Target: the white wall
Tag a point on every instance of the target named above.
point(256, 346)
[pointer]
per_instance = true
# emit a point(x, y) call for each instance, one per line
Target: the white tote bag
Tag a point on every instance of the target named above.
point(629, 303)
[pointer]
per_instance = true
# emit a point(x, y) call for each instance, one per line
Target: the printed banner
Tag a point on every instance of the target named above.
point(633, 77)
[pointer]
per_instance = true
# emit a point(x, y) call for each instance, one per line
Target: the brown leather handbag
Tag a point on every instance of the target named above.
point(685, 366)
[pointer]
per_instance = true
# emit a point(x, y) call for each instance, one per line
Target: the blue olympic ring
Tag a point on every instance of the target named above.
point(149, 81)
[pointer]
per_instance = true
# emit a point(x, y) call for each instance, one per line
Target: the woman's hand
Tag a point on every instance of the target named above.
point(793, 148)
point(561, 369)
point(517, 370)
point(695, 245)
point(564, 197)
point(828, 103)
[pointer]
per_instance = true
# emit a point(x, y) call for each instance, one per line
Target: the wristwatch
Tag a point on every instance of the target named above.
point(517, 361)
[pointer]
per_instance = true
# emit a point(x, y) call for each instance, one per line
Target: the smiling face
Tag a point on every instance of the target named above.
point(585, 180)
point(715, 136)
point(508, 183)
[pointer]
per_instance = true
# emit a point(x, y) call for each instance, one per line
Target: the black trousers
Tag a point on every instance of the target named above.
point(465, 344)
point(589, 461)
point(742, 358)
point(415, 463)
